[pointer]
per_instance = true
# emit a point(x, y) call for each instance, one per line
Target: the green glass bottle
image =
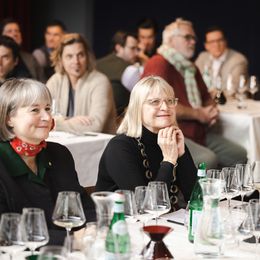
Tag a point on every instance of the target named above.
point(196, 202)
point(118, 239)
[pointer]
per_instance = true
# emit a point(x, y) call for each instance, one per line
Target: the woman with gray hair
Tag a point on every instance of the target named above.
point(150, 145)
point(84, 95)
point(33, 171)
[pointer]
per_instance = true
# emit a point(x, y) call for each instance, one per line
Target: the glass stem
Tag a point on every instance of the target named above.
point(256, 245)
point(242, 198)
point(68, 239)
point(229, 203)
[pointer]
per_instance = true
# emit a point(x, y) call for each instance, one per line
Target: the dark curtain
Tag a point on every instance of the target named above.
point(21, 11)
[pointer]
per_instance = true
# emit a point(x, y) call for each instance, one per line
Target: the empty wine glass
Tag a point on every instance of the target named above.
point(34, 228)
point(254, 211)
point(253, 86)
point(256, 175)
point(232, 183)
point(68, 211)
point(129, 203)
point(246, 179)
point(10, 234)
point(240, 222)
point(140, 192)
point(242, 88)
point(217, 174)
point(230, 88)
point(157, 200)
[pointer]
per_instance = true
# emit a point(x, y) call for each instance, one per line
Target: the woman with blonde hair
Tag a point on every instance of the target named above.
point(83, 95)
point(149, 145)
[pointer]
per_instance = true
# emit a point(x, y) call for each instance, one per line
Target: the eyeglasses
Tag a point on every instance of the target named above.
point(157, 102)
point(220, 40)
point(188, 37)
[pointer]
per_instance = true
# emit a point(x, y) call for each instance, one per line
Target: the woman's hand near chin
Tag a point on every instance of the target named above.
point(168, 144)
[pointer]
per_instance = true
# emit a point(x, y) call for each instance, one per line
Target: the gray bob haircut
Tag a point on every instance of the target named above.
point(131, 124)
point(16, 93)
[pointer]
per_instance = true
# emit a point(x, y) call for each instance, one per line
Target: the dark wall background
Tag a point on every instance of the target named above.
point(97, 20)
point(239, 20)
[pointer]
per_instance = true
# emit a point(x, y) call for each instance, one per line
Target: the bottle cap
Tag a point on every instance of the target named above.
point(119, 197)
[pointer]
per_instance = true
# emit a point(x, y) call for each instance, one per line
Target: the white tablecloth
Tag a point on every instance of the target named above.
point(241, 126)
point(86, 151)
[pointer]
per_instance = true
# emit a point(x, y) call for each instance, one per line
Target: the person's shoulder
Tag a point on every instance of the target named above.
point(99, 78)
point(204, 55)
point(157, 58)
point(52, 146)
point(104, 59)
point(121, 140)
point(55, 78)
point(235, 55)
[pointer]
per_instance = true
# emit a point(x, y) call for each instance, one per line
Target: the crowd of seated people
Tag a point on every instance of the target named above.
point(138, 82)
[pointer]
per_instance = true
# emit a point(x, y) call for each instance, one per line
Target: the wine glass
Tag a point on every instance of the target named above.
point(34, 228)
point(246, 179)
point(129, 203)
point(253, 86)
point(157, 200)
point(68, 211)
point(232, 183)
point(10, 234)
point(217, 174)
point(242, 88)
point(230, 88)
point(240, 222)
point(140, 192)
point(254, 213)
point(256, 175)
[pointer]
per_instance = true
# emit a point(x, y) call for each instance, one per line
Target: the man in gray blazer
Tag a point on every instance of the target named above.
point(219, 61)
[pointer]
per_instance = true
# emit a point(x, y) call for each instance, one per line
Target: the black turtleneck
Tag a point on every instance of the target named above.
point(121, 165)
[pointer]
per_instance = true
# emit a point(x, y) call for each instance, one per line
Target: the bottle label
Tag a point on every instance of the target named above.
point(119, 228)
point(195, 216)
point(201, 173)
point(118, 207)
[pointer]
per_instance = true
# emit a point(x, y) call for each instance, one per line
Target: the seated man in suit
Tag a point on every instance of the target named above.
point(124, 53)
point(220, 61)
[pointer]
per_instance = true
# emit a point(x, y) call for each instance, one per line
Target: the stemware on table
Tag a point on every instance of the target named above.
point(253, 85)
point(129, 203)
point(34, 228)
point(256, 175)
point(254, 215)
point(157, 200)
point(140, 192)
point(10, 234)
point(246, 179)
point(241, 92)
point(241, 222)
point(68, 211)
point(232, 183)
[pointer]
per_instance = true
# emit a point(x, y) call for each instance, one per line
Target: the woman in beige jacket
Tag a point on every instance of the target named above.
point(82, 94)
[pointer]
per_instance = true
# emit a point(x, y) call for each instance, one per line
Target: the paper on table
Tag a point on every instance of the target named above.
point(176, 216)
